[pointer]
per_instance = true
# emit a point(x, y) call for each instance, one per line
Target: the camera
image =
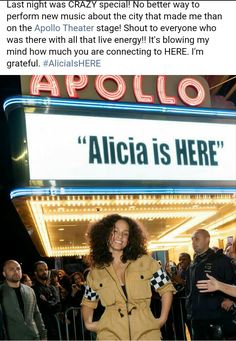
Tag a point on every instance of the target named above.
point(173, 269)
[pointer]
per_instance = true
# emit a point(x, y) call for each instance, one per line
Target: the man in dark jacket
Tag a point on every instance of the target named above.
point(205, 310)
point(48, 299)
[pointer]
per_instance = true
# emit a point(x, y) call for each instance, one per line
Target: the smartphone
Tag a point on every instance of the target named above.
point(230, 240)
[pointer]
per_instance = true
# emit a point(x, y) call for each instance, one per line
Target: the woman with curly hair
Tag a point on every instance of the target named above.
point(121, 276)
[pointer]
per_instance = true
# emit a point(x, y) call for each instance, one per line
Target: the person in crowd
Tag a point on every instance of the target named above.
point(47, 298)
point(212, 284)
point(169, 329)
point(74, 300)
point(25, 279)
point(174, 328)
point(181, 278)
point(54, 280)
point(121, 277)
point(64, 281)
point(22, 318)
point(184, 263)
point(77, 289)
point(205, 310)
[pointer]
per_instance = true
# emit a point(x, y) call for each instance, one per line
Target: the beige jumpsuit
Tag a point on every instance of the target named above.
point(127, 318)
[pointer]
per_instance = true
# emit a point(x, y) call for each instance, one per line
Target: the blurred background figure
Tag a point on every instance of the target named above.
point(48, 299)
point(74, 299)
point(77, 289)
point(64, 280)
point(26, 280)
point(184, 263)
point(54, 281)
point(174, 328)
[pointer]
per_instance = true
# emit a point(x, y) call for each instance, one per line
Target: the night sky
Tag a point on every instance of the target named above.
point(15, 242)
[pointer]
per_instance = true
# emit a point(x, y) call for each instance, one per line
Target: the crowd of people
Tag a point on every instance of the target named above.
point(125, 294)
point(33, 308)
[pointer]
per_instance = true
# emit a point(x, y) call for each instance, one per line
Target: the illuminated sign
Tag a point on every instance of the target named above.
point(168, 90)
point(107, 148)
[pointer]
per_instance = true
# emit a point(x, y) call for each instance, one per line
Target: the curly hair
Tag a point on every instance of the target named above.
point(99, 235)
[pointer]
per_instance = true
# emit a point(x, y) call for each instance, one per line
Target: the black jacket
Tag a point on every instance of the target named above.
point(49, 305)
point(47, 298)
point(207, 306)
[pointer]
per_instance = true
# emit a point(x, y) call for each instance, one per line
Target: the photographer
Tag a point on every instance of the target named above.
point(174, 274)
point(74, 300)
point(77, 289)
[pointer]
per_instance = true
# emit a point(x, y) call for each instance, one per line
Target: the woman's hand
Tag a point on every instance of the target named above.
point(92, 326)
point(161, 321)
point(87, 313)
point(208, 285)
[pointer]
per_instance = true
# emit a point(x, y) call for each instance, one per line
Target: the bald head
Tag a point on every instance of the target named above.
point(9, 263)
point(203, 233)
point(12, 272)
point(200, 241)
